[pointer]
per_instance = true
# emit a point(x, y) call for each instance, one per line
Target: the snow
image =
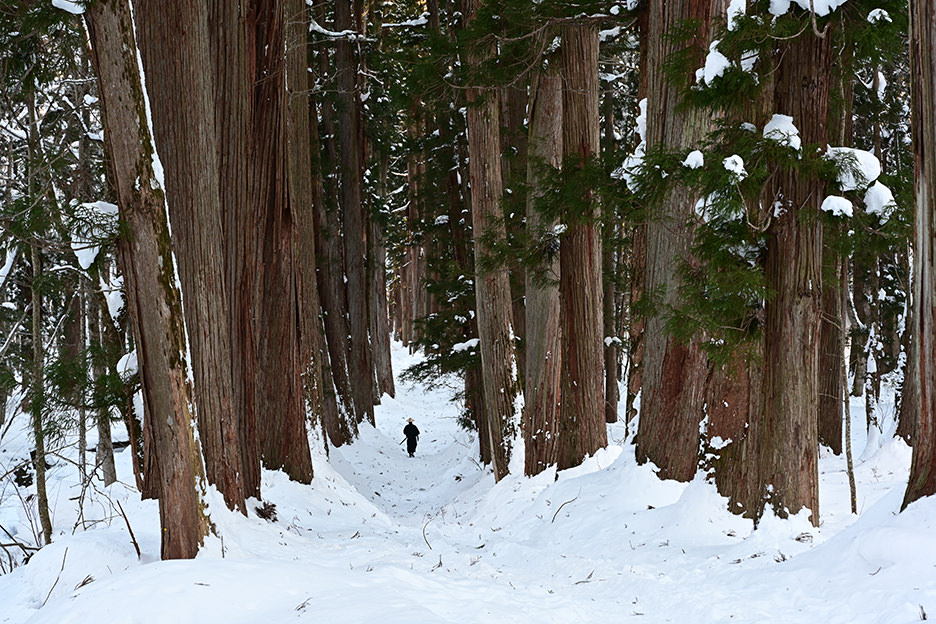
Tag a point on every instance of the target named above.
point(381, 537)
point(819, 7)
point(857, 168)
point(74, 8)
point(780, 128)
point(879, 200)
point(735, 164)
point(837, 206)
point(715, 64)
point(736, 8)
point(694, 160)
point(876, 15)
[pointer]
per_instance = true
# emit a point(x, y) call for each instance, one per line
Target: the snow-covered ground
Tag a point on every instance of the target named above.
point(381, 537)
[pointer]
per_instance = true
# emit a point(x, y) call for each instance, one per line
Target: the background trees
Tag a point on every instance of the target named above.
point(446, 175)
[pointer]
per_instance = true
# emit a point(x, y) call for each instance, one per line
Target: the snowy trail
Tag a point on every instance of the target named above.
point(382, 537)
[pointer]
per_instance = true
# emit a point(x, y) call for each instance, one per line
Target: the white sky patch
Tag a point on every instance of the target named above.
point(849, 160)
point(128, 364)
point(694, 160)
point(781, 129)
point(837, 206)
point(735, 164)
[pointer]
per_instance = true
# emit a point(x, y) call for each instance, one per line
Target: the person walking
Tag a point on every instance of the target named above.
point(412, 437)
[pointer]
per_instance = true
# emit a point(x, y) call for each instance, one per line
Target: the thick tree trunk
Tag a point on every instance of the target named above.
point(279, 398)
point(923, 65)
point(492, 287)
point(543, 345)
point(637, 258)
point(182, 93)
point(380, 323)
point(154, 303)
point(734, 398)
point(304, 191)
point(331, 256)
point(232, 452)
point(674, 373)
point(789, 436)
point(360, 363)
point(582, 423)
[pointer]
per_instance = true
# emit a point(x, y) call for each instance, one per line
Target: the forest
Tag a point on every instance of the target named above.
point(234, 236)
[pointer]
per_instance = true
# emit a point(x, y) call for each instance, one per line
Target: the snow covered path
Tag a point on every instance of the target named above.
point(382, 537)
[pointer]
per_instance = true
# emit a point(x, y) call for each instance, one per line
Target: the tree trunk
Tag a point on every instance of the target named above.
point(231, 447)
point(153, 301)
point(543, 344)
point(37, 392)
point(181, 91)
point(313, 356)
point(831, 357)
point(636, 260)
point(104, 452)
point(923, 69)
point(360, 363)
point(279, 398)
point(582, 423)
point(329, 246)
point(789, 436)
point(492, 287)
point(610, 235)
point(674, 373)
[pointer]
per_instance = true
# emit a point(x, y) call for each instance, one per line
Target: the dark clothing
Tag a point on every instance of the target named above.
point(412, 436)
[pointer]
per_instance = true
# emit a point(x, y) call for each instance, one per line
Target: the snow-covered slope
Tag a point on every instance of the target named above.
point(381, 537)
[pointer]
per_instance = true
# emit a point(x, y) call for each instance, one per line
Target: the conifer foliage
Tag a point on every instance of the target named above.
point(701, 205)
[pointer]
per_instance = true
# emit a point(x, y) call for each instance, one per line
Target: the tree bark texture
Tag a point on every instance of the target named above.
point(789, 436)
point(279, 397)
point(313, 355)
point(153, 301)
point(543, 344)
point(331, 255)
point(492, 287)
point(582, 424)
point(674, 374)
point(233, 445)
point(831, 356)
point(360, 362)
point(923, 68)
point(174, 44)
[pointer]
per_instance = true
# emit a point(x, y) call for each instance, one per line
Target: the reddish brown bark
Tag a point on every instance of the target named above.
point(923, 64)
point(492, 287)
point(145, 255)
point(582, 424)
point(543, 345)
point(279, 397)
point(789, 436)
point(674, 374)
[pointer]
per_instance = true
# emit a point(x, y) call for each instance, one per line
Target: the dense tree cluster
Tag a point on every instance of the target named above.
point(217, 215)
